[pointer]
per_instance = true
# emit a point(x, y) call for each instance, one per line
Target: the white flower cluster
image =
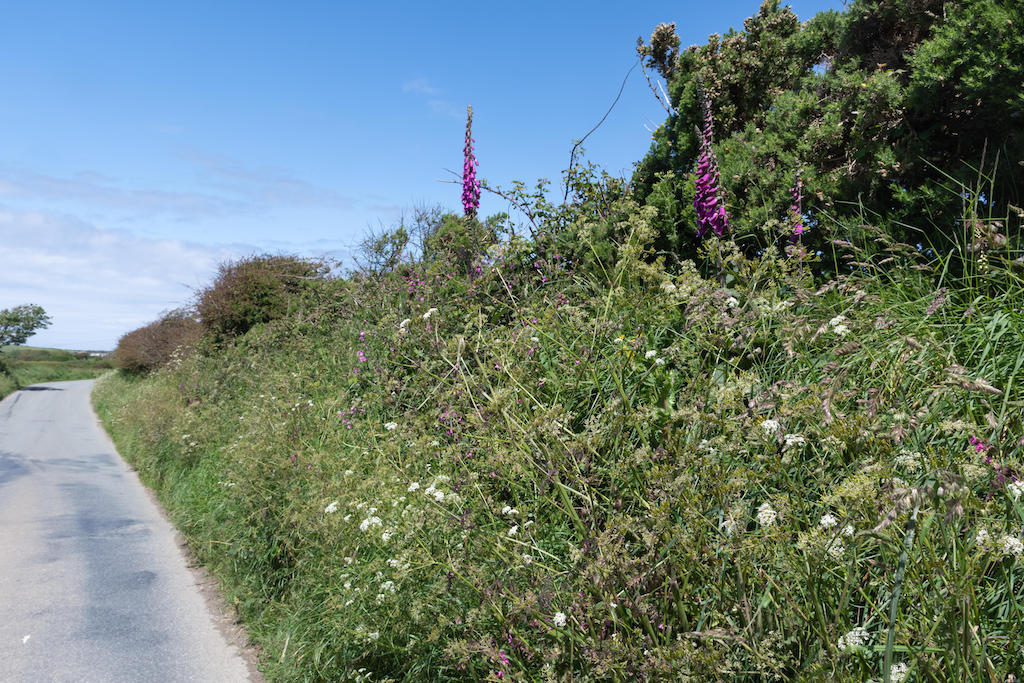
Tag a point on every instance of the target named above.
point(369, 523)
point(432, 311)
point(857, 637)
point(509, 511)
point(766, 516)
point(793, 440)
point(559, 619)
point(908, 461)
point(898, 672)
point(333, 507)
point(651, 354)
point(838, 326)
point(1012, 546)
point(828, 521)
point(770, 426)
point(403, 327)
point(391, 426)
point(1015, 488)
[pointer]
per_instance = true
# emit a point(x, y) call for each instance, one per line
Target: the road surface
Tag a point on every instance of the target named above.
point(93, 584)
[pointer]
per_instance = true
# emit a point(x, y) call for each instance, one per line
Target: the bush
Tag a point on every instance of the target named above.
point(254, 290)
point(152, 347)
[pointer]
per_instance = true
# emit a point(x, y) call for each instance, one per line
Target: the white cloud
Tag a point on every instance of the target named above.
point(421, 86)
point(97, 284)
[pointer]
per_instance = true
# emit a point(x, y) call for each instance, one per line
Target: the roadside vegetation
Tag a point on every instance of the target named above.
point(595, 445)
point(31, 365)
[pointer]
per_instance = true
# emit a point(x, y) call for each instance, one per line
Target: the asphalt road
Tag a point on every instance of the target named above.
point(93, 584)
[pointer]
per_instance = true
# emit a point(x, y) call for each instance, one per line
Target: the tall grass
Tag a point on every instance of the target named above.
point(539, 469)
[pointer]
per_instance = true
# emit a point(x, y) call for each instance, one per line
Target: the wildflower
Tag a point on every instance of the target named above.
point(708, 200)
point(794, 440)
point(837, 321)
point(766, 515)
point(841, 330)
point(470, 186)
point(413, 486)
point(348, 473)
point(855, 638)
point(898, 672)
point(559, 619)
point(1015, 488)
point(659, 361)
point(391, 426)
point(386, 536)
point(848, 530)
point(908, 461)
point(438, 495)
point(509, 510)
point(835, 548)
point(430, 312)
point(770, 426)
point(828, 521)
point(403, 327)
point(333, 507)
point(732, 302)
point(514, 530)
point(979, 445)
point(373, 636)
point(369, 522)
point(982, 537)
point(650, 354)
point(1012, 546)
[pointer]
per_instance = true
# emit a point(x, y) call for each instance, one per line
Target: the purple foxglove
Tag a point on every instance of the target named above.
point(470, 186)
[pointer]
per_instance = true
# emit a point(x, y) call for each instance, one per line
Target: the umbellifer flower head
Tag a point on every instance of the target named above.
point(470, 186)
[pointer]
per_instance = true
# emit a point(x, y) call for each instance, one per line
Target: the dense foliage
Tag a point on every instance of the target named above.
point(154, 345)
point(607, 451)
point(889, 108)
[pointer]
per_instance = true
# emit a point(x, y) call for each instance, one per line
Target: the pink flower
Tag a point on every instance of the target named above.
point(470, 186)
point(707, 201)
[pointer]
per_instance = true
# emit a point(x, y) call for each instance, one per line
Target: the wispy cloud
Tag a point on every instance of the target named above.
point(421, 86)
point(436, 104)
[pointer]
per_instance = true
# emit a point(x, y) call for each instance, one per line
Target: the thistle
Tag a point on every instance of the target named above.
point(708, 200)
point(470, 186)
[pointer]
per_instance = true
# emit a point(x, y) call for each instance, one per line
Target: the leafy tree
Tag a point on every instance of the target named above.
point(18, 324)
point(21, 322)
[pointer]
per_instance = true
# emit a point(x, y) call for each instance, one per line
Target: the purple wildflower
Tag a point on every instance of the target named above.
point(708, 200)
point(470, 186)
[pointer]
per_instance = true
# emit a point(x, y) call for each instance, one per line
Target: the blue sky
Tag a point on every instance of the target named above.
point(143, 143)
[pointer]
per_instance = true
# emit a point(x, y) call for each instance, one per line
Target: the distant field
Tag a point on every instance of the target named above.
point(31, 365)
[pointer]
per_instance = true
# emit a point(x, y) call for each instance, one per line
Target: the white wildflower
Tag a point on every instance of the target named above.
point(432, 311)
point(508, 510)
point(794, 440)
point(828, 521)
point(907, 461)
point(391, 426)
point(848, 530)
point(535, 340)
point(386, 536)
point(1015, 488)
point(559, 619)
point(373, 636)
point(982, 537)
point(766, 516)
point(898, 672)
point(514, 530)
point(413, 486)
point(650, 354)
point(841, 330)
point(732, 302)
point(348, 473)
point(836, 321)
point(836, 548)
point(770, 426)
point(333, 507)
point(668, 287)
point(857, 637)
point(528, 559)
point(659, 361)
point(1012, 546)
point(438, 495)
point(404, 324)
point(369, 522)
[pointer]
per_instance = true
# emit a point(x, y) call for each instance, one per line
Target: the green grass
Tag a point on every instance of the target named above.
point(607, 471)
point(32, 365)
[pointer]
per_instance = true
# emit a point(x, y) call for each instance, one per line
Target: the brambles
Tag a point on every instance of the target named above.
point(153, 346)
point(253, 290)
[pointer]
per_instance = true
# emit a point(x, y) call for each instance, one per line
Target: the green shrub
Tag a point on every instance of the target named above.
point(253, 290)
